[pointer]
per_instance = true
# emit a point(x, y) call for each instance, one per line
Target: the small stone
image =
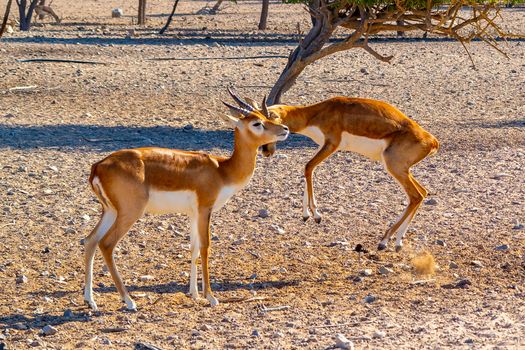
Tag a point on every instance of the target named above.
point(47, 191)
point(264, 213)
point(117, 13)
point(49, 330)
point(370, 298)
point(342, 342)
point(86, 217)
point(469, 341)
point(146, 278)
point(206, 327)
point(187, 127)
point(431, 201)
point(53, 168)
point(367, 272)
point(68, 313)
point(46, 250)
point(502, 247)
point(21, 279)
point(440, 242)
point(476, 263)
point(453, 265)
point(518, 226)
point(278, 229)
point(357, 279)
point(22, 169)
point(364, 71)
point(34, 343)
point(278, 334)
point(255, 333)
point(385, 270)
point(184, 274)
point(463, 283)
point(378, 334)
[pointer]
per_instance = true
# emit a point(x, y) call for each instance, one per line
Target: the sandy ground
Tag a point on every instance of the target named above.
point(76, 114)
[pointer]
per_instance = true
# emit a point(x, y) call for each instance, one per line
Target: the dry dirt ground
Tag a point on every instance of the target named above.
point(76, 114)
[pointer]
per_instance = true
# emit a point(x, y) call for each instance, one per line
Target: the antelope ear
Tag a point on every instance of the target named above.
point(232, 121)
point(273, 116)
point(252, 102)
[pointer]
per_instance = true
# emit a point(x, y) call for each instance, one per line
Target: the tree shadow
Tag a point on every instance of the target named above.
point(513, 123)
point(38, 321)
point(191, 36)
point(69, 137)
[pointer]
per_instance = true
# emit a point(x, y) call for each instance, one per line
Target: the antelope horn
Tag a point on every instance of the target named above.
point(239, 101)
point(265, 108)
point(237, 109)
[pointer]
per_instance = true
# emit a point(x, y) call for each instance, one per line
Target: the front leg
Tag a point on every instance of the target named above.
point(195, 250)
point(309, 202)
point(204, 235)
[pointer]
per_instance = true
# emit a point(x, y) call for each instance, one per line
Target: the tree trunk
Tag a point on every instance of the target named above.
point(6, 17)
point(141, 19)
point(168, 22)
point(302, 56)
point(215, 7)
point(264, 14)
point(25, 18)
point(400, 23)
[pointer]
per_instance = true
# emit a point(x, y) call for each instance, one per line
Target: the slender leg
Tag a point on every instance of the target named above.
point(107, 245)
point(194, 247)
point(106, 221)
point(204, 234)
point(324, 152)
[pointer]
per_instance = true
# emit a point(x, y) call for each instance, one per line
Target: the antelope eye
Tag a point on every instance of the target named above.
point(257, 124)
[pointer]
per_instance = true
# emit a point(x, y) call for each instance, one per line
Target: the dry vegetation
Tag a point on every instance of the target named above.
point(73, 115)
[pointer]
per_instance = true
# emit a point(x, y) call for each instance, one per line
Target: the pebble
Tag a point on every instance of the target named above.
point(49, 330)
point(518, 226)
point(502, 247)
point(453, 265)
point(366, 272)
point(146, 278)
point(278, 229)
point(184, 274)
point(378, 334)
point(188, 127)
point(68, 313)
point(117, 13)
point(342, 342)
point(440, 242)
point(385, 270)
point(370, 298)
point(71, 230)
point(206, 327)
point(255, 333)
point(21, 279)
point(264, 213)
point(364, 71)
point(469, 341)
point(53, 168)
point(476, 263)
point(431, 201)
point(463, 283)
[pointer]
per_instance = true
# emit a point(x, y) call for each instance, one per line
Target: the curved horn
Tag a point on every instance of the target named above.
point(237, 109)
point(239, 101)
point(265, 108)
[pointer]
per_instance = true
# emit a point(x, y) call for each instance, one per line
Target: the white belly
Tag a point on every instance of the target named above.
point(371, 148)
point(166, 202)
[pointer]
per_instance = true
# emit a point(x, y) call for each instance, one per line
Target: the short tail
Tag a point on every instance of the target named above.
point(434, 144)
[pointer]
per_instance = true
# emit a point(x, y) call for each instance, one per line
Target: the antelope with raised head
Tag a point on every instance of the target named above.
point(131, 182)
point(371, 128)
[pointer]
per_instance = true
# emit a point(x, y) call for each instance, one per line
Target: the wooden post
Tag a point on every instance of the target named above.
point(141, 19)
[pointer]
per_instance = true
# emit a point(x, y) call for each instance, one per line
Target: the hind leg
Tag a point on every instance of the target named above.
point(106, 221)
point(398, 159)
point(107, 245)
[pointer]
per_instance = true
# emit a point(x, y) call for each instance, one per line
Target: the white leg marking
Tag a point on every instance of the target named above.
point(106, 222)
point(130, 304)
point(306, 211)
point(195, 252)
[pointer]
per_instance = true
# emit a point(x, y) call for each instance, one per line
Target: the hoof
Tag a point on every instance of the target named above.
point(213, 301)
point(91, 304)
point(399, 248)
point(317, 220)
point(305, 218)
point(130, 305)
point(381, 246)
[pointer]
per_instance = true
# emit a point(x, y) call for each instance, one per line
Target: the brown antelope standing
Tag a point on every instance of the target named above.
point(371, 128)
point(131, 182)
